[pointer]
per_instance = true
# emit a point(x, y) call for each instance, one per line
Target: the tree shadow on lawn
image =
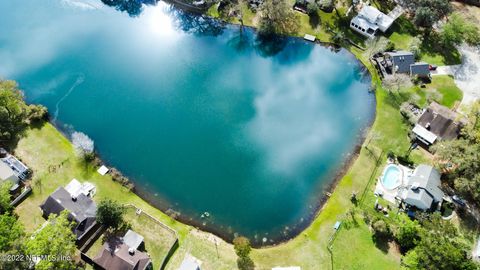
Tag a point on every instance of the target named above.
point(431, 47)
point(402, 26)
point(314, 20)
point(382, 243)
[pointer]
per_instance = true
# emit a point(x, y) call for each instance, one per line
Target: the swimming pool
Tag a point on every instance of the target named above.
point(391, 176)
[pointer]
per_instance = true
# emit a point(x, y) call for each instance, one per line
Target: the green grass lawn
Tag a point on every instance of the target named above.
point(441, 89)
point(158, 239)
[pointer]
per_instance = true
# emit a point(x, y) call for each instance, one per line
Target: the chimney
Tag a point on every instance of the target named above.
point(131, 251)
point(74, 198)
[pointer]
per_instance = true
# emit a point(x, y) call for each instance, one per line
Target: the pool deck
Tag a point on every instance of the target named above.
point(390, 195)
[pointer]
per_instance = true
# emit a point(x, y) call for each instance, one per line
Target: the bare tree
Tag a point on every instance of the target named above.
point(82, 143)
point(397, 82)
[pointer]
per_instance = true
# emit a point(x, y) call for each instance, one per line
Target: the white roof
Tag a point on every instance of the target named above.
point(76, 188)
point(287, 268)
point(190, 263)
point(103, 170)
point(375, 16)
point(309, 37)
point(6, 173)
point(132, 239)
point(424, 134)
point(370, 13)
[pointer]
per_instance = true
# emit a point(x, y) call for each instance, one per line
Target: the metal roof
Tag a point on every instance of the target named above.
point(426, 135)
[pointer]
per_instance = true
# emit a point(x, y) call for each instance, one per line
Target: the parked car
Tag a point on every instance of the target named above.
point(459, 201)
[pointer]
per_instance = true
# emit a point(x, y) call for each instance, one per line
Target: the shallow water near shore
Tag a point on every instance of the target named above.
point(207, 119)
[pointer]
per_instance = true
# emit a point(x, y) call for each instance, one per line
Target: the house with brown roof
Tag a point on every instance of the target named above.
point(123, 253)
point(438, 123)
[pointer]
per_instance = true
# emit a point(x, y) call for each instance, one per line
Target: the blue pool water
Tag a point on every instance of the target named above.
point(391, 177)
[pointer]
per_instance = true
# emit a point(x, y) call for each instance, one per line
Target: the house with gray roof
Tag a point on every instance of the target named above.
point(438, 123)
point(81, 209)
point(423, 189)
point(402, 62)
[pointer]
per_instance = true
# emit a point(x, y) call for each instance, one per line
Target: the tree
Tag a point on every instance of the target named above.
point(428, 12)
point(276, 17)
point(242, 249)
point(13, 110)
point(55, 239)
point(440, 247)
point(5, 198)
point(37, 113)
point(82, 144)
point(326, 5)
point(381, 229)
point(407, 234)
point(460, 159)
point(397, 82)
point(110, 213)
point(312, 9)
point(457, 30)
point(11, 232)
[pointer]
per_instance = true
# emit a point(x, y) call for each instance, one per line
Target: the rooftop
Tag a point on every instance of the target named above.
point(441, 121)
point(116, 255)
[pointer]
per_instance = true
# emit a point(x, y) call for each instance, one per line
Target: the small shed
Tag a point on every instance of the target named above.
point(309, 37)
point(132, 239)
point(103, 170)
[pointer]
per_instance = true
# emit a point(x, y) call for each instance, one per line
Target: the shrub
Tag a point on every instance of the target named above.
point(37, 113)
point(242, 246)
point(381, 229)
point(326, 5)
point(390, 46)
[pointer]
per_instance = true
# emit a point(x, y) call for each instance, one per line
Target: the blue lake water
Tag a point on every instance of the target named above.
point(203, 117)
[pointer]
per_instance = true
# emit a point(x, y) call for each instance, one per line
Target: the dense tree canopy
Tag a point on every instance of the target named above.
point(57, 239)
point(457, 30)
point(428, 12)
point(460, 158)
point(13, 110)
point(407, 233)
point(5, 197)
point(277, 17)
point(10, 232)
point(110, 213)
point(14, 113)
point(440, 248)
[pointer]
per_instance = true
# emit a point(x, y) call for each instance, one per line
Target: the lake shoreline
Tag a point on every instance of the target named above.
point(295, 229)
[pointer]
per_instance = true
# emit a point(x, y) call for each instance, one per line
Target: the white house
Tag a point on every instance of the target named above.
point(369, 20)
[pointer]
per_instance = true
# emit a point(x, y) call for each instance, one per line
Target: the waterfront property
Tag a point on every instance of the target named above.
point(423, 189)
point(124, 253)
point(438, 123)
point(82, 210)
point(369, 20)
point(401, 62)
point(418, 188)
